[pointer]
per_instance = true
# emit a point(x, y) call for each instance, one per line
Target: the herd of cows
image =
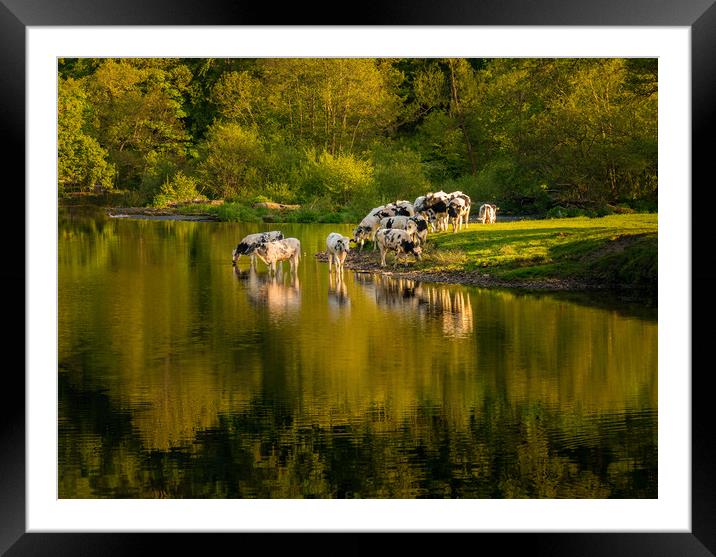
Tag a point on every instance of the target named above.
point(400, 227)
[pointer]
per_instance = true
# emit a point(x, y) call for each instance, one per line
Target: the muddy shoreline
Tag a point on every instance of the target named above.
point(369, 262)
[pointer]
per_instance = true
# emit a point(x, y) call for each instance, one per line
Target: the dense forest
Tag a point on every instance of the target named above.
point(349, 134)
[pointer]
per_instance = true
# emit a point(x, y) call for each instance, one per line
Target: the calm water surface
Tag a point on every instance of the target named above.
point(180, 377)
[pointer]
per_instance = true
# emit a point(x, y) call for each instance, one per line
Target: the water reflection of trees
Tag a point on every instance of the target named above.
point(267, 450)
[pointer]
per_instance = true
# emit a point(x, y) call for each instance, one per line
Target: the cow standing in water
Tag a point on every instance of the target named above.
point(280, 250)
point(248, 244)
point(338, 247)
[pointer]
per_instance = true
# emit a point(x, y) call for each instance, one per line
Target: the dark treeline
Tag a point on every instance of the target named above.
point(532, 134)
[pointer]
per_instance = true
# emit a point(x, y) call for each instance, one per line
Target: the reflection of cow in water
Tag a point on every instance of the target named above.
point(279, 294)
point(426, 302)
point(338, 293)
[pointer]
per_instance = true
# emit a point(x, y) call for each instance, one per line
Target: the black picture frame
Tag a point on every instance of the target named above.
point(699, 15)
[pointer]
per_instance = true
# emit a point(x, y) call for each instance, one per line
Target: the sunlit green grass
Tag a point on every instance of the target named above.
point(619, 249)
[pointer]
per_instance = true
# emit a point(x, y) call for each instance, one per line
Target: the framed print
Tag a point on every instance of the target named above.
point(44, 513)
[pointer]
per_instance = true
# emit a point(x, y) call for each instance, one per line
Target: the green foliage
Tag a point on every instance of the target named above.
point(81, 160)
point(399, 174)
point(337, 177)
point(527, 134)
point(237, 212)
point(233, 161)
point(180, 189)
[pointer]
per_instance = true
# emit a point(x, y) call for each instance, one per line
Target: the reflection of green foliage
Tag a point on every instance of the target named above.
point(173, 382)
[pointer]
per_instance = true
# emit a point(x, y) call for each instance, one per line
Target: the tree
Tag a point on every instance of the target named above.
point(232, 160)
point(81, 161)
point(137, 109)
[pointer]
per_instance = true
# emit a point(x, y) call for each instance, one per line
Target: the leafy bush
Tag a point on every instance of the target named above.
point(180, 189)
point(237, 212)
point(337, 177)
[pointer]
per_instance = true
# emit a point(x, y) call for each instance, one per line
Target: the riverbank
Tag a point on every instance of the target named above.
point(617, 252)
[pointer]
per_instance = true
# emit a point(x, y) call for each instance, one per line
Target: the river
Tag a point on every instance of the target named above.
point(181, 376)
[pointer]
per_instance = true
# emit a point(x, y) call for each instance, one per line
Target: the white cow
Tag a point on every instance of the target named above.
point(280, 250)
point(338, 247)
point(488, 213)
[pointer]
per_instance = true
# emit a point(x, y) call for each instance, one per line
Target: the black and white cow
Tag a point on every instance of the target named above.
point(401, 223)
point(279, 250)
point(400, 208)
point(398, 241)
point(248, 244)
point(468, 204)
point(338, 247)
point(366, 230)
point(437, 202)
point(457, 211)
point(421, 224)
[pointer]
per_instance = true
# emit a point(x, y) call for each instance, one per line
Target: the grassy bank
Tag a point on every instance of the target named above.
point(616, 250)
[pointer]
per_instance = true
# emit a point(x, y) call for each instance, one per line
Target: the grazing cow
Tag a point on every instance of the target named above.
point(421, 224)
point(401, 223)
point(398, 241)
point(249, 243)
point(280, 250)
point(338, 247)
point(457, 211)
point(366, 230)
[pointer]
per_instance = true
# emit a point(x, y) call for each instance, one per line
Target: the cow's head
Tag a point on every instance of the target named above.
point(235, 254)
point(261, 248)
point(411, 247)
